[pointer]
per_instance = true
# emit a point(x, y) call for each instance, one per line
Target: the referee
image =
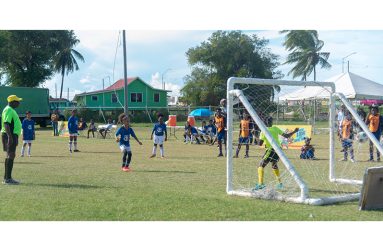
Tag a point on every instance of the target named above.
point(10, 131)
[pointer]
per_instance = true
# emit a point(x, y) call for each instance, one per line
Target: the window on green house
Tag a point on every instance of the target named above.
point(135, 97)
point(156, 97)
point(114, 98)
point(94, 98)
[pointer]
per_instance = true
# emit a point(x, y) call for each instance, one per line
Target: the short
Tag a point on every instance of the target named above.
point(27, 141)
point(346, 143)
point(11, 148)
point(244, 140)
point(73, 134)
point(124, 147)
point(270, 155)
point(221, 135)
point(158, 139)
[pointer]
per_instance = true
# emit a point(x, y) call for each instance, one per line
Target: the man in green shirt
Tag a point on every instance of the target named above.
point(270, 154)
point(10, 132)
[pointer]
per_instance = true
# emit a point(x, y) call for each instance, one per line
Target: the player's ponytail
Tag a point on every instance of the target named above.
point(121, 117)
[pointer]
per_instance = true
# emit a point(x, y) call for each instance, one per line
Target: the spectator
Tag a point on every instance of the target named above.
point(55, 119)
point(106, 129)
point(92, 128)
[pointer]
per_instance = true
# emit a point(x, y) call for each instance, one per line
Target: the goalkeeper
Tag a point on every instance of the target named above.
point(270, 154)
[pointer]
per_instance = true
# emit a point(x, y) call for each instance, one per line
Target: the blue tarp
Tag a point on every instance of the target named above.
point(201, 113)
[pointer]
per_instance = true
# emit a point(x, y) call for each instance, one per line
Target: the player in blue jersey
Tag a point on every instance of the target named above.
point(28, 127)
point(159, 131)
point(123, 138)
point(73, 131)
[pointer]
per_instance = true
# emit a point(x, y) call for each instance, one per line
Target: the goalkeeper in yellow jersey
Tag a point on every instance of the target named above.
point(270, 154)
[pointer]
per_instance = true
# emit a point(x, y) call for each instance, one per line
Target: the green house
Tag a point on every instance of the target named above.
point(141, 96)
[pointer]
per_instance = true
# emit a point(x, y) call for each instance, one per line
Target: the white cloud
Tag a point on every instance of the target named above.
point(156, 83)
point(85, 80)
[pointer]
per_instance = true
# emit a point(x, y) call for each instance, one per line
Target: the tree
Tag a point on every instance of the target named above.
point(306, 54)
point(65, 59)
point(27, 57)
point(223, 55)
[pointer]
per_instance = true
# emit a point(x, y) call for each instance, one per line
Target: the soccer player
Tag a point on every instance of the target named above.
point(73, 131)
point(123, 137)
point(347, 137)
point(194, 135)
point(159, 130)
point(220, 124)
point(270, 154)
point(28, 127)
point(374, 122)
point(244, 135)
point(307, 150)
point(10, 132)
point(211, 131)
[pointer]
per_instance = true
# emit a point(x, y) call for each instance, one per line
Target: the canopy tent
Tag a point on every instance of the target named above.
point(350, 84)
point(201, 113)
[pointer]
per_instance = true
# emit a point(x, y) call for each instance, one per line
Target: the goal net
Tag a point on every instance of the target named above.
point(331, 172)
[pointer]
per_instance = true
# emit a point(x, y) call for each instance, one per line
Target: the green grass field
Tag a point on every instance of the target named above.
point(188, 185)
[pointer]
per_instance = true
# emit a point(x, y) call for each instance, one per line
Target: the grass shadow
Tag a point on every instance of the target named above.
point(162, 171)
point(66, 185)
point(46, 156)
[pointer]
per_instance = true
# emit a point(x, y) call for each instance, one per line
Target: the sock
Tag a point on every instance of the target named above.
point(70, 145)
point(124, 158)
point(345, 154)
point(29, 149)
point(10, 167)
point(162, 151)
point(5, 168)
point(260, 175)
point(154, 150)
point(247, 150)
point(22, 150)
point(352, 153)
point(75, 145)
point(276, 173)
point(129, 158)
point(237, 152)
point(377, 154)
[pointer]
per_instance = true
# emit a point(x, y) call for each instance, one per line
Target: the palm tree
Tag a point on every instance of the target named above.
point(65, 59)
point(305, 52)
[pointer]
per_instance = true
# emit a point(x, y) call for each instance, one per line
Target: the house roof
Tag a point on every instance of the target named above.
point(119, 84)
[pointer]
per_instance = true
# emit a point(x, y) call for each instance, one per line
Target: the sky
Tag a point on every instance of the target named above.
point(160, 55)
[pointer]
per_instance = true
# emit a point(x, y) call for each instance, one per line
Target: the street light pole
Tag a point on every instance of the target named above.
point(162, 77)
point(125, 76)
point(344, 59)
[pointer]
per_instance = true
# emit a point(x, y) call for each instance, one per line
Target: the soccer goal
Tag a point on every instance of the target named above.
point(334, 174)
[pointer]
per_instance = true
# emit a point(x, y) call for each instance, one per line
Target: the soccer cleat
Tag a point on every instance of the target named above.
point(343, 160)
point(163, 157)
point(152, 156)
point(76, 151)
point(236, 156)
point(29, 155)
point(352, 160)
point(22, 155)
point(258, 187)
point(370, 160)
point(70, 151)
point(126, 169)
point(246, 156)
point(220, 155)
point(280, 186)
point(378, 160)
point(10, 182)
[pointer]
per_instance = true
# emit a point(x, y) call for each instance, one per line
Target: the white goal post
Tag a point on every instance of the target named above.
point(304, 194)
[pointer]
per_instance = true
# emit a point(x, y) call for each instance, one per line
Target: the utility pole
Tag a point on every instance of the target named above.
point(56, 89)
point(125, 76)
